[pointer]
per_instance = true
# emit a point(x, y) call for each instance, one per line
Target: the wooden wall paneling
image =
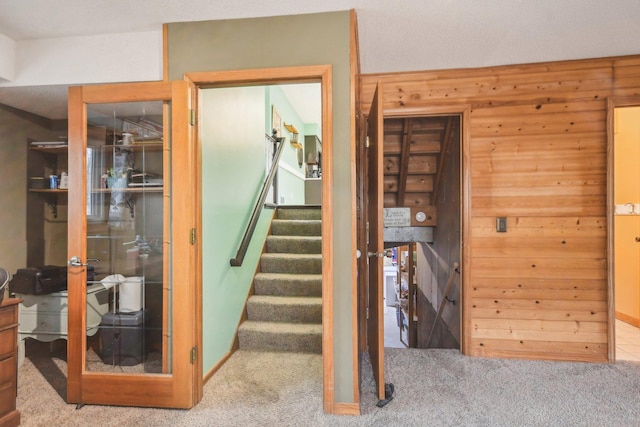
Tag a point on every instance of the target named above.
point(511, 247)
point(489, 90)
point(543, 227)
point(537, 152)
point(516, 291)
point(553, 123)
point(626, 75)
point(508, 147)
point(545, 350)
point(537, 314)
point(535, 163)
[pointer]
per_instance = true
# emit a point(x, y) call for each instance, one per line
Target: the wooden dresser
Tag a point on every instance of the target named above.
point(9, 416)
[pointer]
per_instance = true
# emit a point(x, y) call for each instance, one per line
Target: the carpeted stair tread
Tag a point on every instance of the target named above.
point(293, 328)
point(292, 212)
point(294, 244)
point(285, 309)
point(280, 336)
point(288, 227)
point(288, 284)
point(291, 263)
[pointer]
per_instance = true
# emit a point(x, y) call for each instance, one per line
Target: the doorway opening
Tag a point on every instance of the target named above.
point(223, 297)
point(414, 190)
point(422, 176)
point(625, 229)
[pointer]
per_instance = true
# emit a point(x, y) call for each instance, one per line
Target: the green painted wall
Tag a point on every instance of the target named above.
point(233, 156)
point(313, 129)
point(290, 175)
point(281, 41)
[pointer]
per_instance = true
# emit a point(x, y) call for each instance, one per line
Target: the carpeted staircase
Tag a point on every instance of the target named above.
point(285, 312)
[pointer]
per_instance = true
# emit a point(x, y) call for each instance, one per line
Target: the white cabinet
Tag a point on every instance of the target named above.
point(390, 278)
point(44, 317)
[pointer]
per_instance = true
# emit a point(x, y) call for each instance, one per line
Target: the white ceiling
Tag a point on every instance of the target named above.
point(394, 36)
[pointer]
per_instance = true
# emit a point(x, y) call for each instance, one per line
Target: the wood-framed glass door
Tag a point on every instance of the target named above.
point(131, 277)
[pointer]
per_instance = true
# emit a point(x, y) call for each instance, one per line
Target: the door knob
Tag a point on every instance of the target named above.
point(379, 254)
point(637, 239)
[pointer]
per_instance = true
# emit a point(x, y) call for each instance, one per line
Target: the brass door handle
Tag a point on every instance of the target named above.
point(638, 239)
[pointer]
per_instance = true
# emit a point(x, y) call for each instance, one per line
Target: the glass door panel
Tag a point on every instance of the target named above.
point(126, 245)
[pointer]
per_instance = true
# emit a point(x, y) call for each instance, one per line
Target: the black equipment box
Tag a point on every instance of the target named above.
point(43, 280)
point(122, 338)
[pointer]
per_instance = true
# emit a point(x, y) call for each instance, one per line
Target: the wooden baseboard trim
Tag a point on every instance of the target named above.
point(628, 319)
point(217, 366)
point(346, 409)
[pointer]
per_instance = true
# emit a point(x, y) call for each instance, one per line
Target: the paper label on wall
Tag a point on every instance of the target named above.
point(397, 217)
point(628, 209)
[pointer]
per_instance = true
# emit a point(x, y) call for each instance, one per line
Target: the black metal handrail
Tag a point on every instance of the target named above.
point(257, 209)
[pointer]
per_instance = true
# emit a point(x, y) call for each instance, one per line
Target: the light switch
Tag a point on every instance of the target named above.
point(501, 224)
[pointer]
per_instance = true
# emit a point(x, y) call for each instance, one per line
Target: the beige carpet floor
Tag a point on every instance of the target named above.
point(433, 388)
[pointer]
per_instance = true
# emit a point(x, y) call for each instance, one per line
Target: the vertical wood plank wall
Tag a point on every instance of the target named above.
point(538, 156)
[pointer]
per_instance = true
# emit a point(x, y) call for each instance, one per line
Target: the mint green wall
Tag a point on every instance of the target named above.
point(290, 175)
point(281, 41)
point(232, 138)
point(313, 129)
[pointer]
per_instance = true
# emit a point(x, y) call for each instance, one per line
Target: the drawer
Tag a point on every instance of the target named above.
point(8, 341)
point(8, 371)
point(39, 303)
point(7, 397)
point(55, 323)
point(8, 316)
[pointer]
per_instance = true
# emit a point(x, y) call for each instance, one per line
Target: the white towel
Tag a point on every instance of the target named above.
point(110, 281)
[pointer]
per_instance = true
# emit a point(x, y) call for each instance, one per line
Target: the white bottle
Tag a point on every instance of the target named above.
point(64, 180)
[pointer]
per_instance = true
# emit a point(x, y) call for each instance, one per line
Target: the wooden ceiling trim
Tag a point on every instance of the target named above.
point(404, 160)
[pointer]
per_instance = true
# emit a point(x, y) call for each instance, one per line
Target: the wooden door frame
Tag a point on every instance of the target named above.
point(464, 111)
point(99, 387)
point(286, 75)
point(612, 104)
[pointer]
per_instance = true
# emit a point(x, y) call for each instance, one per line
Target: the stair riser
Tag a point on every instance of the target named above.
point(291, 266)
point(292, 213)
point(288, 313)
point(296, 228)
point(291, 246)
point(307, 343)
point(288, 288)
